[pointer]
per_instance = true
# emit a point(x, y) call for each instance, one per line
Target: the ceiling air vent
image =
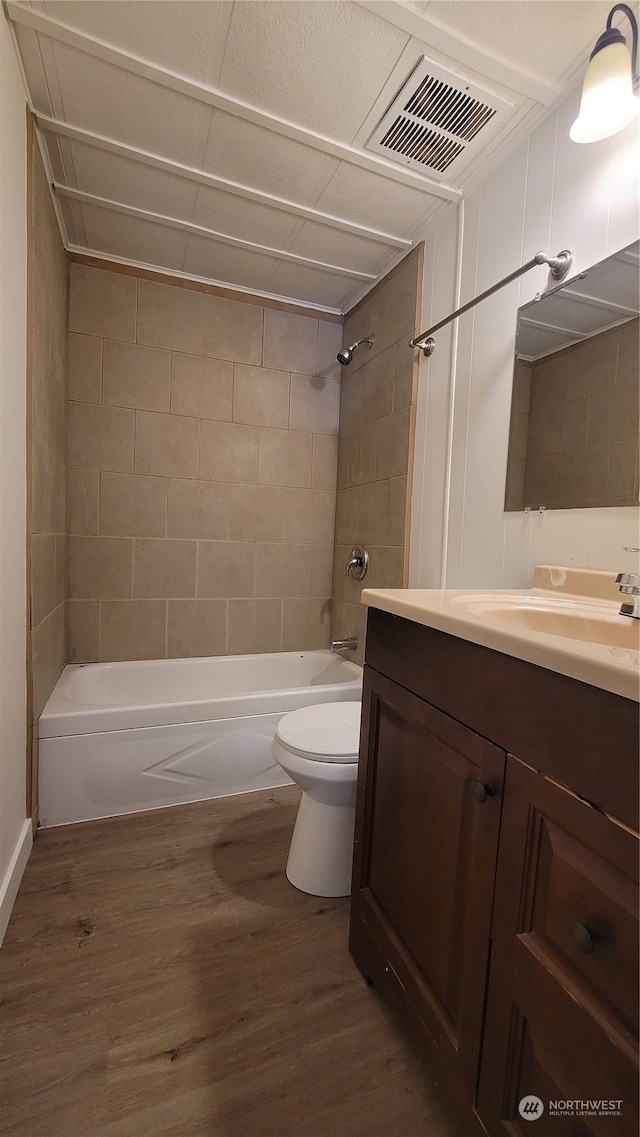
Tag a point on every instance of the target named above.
point(438, 122)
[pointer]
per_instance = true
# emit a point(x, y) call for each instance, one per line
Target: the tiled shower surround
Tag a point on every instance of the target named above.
point(202, 451)
point(375, 444)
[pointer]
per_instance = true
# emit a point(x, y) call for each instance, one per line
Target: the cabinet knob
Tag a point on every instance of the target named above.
point(585, 936)
point(481, 791)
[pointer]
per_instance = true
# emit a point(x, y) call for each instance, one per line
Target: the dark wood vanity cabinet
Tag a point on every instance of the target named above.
point(494, 907)
point(562, 1005)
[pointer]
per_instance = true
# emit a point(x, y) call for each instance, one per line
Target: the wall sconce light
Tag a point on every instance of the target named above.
point(608, 101)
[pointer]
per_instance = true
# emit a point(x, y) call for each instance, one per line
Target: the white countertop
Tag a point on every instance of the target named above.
point(612, 668)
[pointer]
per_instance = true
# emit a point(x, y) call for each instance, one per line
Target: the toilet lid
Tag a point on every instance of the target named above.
point(326, 732)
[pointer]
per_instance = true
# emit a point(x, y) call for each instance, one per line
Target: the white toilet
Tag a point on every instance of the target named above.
point(318, 748)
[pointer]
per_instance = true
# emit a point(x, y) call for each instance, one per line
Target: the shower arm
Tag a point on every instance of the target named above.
point(559, 267)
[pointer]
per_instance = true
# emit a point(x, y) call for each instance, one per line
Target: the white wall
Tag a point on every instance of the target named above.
point(15, 829)
point(550, 194)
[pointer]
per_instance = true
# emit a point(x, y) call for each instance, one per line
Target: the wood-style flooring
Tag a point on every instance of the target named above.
point(161, 978)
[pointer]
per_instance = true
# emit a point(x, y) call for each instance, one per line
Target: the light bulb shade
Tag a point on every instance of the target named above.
point(608, 103)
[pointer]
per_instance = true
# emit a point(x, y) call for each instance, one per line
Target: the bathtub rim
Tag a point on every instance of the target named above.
point(61, 717)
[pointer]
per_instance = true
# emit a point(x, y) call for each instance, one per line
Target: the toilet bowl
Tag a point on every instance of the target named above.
point(318, 748)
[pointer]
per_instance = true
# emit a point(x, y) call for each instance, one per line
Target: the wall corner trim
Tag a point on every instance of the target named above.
point(11, 882)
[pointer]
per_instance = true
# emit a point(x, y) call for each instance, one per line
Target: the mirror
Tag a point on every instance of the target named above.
point(573, 439)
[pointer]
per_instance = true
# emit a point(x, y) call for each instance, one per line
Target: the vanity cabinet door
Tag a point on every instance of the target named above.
point(562, 1008)
point(427, 821)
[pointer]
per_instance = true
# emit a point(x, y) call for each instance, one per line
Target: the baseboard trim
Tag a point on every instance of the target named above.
point(11, 882)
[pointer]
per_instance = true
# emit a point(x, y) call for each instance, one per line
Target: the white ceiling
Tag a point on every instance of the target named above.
point(226, 141)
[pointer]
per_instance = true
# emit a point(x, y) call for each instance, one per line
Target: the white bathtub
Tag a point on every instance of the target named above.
point(121, 737)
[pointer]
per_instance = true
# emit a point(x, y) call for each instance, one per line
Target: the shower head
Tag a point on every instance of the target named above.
point(345, 356)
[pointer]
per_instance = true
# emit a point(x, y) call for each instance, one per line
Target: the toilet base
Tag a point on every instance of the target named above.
point(321, 852)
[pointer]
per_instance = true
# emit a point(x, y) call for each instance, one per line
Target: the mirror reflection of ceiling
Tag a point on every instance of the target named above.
point(229, 141)
point(604, 296)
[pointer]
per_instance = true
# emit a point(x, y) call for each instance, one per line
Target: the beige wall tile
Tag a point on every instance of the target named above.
point(346, 528)
point(136, 376)
point(329, 344)
point(132, 629)
point(49, 411)
point(305, 624)
point(324, 464)
point(315, 404)
point(398, 488)
point(166, 444)
point(282, 570)
point(365, 321)
point(392, 445)
point(102, 303)
point(41, 666)
point(232, 330)
point(290, 342)
point(403, 375)
point(197, 509)
point(342, 470)
point(373, 513)
point(260, 396)
point(399, 297)
point(225, 568)
point(320, 570)
point(196, 628)
point(100, 568)
point(284, 458)
point(84, 630)
point(351, 395)
point(309, 516)
point(132, 505)
point(44, 566)
point(254, 626)
point(363, 444)
point(201, 387)
point(385, 567)
point(100, 438)
point(256, 513)
point(170, 317)
point(349, 620)
point(83, 499)
point(47, 490)
point(164, 568)
point(228, 452)
point(85, 368)
point(377, 398)
point(36, 545)
point(61, 568)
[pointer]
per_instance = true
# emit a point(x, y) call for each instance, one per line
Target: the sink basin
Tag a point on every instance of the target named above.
point(571, 619)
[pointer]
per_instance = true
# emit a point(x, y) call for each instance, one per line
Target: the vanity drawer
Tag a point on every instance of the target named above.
point(578, 902)
point(584, 911)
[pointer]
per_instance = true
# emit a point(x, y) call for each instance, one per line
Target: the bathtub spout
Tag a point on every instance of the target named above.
point(344, 645)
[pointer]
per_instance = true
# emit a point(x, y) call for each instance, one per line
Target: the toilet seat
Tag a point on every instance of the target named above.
point(326, 732)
